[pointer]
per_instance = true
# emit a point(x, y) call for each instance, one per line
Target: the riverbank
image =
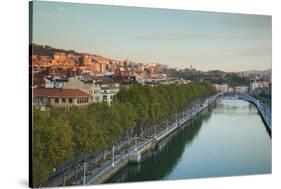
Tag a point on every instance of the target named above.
point(135, 153)
point(139, 111)
point(226, 139)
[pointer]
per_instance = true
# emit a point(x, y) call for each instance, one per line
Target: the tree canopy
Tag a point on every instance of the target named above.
point(64, 134)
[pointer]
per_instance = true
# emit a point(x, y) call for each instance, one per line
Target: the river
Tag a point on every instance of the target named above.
point(227, 139)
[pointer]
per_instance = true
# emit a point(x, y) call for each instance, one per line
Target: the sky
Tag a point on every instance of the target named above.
point(178, 38)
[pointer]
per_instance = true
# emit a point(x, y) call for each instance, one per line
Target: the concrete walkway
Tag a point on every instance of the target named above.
point(105, 165)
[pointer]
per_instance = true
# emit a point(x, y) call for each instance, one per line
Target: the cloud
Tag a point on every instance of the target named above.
point(59, 12)
point(260, 51)
point(62, 12)
point(61, 15)
point(165, 36)
point(43, 14)
point(186, 36)
point(60, 8)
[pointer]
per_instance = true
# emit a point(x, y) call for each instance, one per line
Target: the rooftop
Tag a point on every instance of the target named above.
point(54, 92)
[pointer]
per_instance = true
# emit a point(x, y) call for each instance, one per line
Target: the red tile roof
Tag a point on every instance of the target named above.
point(53, 92)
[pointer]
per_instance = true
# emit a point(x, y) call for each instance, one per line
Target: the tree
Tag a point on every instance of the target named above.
point(128, 118)
point(40, 134)
point(61, 134)
point(138, 98)
point(52, 144)
point(80, 127)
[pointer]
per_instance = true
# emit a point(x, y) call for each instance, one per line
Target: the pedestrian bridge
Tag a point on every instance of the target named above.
point(264, 110)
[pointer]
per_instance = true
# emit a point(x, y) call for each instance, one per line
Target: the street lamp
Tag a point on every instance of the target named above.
point(136, 141)
point(84, 178)
point(113, 162)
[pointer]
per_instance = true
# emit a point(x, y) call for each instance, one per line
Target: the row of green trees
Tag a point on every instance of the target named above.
point(64, 134)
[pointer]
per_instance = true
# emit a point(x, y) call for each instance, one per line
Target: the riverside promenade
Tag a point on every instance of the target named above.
point(133, 155)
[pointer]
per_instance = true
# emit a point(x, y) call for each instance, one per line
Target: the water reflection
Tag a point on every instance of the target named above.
point(224, 140)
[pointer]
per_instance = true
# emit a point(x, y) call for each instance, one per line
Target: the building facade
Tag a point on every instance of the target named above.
point(45, 98)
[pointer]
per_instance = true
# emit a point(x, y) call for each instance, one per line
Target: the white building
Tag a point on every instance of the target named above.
point(87, 87)
point(222, 87)
point(106, 95)
point(107, 91)
point(55, 82)
point(100, 91)
point(257, 85)
point(241, 89)
point(95, 92)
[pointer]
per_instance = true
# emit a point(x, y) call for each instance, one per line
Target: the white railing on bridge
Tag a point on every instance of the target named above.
point(262, 108)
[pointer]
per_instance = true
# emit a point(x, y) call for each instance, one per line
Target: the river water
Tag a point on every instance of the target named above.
point(227, 139)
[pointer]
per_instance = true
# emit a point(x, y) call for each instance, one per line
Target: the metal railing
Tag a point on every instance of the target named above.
point(264, 110)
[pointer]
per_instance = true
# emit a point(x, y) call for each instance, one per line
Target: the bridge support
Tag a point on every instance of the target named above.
point(134, 157)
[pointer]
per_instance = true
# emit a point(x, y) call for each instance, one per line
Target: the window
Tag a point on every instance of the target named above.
point(70, 100)
point(104, 97)
point(63, 100)
point(56, 100)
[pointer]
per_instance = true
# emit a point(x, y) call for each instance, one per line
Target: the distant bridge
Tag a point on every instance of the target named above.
point(264, 110)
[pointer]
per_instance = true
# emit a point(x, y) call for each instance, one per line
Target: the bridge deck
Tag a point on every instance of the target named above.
point(264, 111)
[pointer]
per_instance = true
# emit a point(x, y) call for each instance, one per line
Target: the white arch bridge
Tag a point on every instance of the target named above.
point(264, 110)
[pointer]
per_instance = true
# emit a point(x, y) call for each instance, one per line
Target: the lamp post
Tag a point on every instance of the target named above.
point(136, 141)
point(84, 178)
point(63, 178)
point(113, 162)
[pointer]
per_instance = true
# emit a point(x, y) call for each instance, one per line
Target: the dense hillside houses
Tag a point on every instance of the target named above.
point(101, 78)
point(64, 78)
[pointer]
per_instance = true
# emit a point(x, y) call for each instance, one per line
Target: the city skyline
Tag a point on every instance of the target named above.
point(178, 38)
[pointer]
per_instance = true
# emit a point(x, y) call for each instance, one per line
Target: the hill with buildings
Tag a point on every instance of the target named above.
point(260, 72)
point(45, 50)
